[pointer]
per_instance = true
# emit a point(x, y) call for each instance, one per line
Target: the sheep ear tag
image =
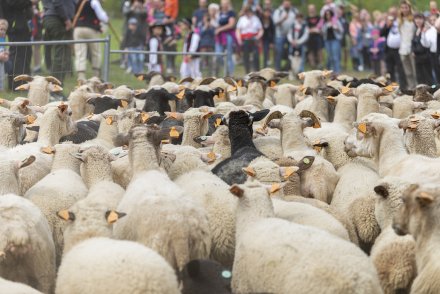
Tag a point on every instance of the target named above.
point(66, 215)
point(140, 77)
point(233, 89)
point(362, 127)
point(221, 95)
point(288, 171)
point(272, 84)
point(30, 119)
point(109, 120)
point(240, 83)
point(112, 216)
point(249, 171)
point(211, 156)
point(2, 100)
point(236, 190)
point(48, 150)
point(436, 115)
point(345, 90)
point(174, 133)
point(217, 123)
point(124, 103)
point(389, 88)
point(181, 94)
point(274, 188)
point(144, 117)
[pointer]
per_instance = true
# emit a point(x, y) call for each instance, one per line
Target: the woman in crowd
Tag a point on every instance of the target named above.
point(332, 31)
point(298, 37)
point(225, 35)
point(356, 41)
point(407, 30)
point(366, 38)
point(315, 42)
point(420, 48)
point(268, 35)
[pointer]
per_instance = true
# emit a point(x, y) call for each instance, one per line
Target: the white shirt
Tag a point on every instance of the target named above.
point(249, 25)
point(100, 13)
point(393, 38)
point(407, 31)
point(154, 47)
point(429, 39)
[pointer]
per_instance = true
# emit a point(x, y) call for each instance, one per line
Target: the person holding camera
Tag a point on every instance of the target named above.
point(284, 19)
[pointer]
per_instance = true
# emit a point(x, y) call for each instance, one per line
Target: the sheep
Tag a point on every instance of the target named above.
point(206, 276)
point(418, 216)
point(16, 288)
point(404, 106)
point(55, 123)
point(12, 128)
point(123, 93)
point(78, 101)
point(392, 255)
point(27, 252)
point(120, 267)
point(195, 124)
point(242, 148)
point(106, 102)
point(320, 180)
point(157, 99)
point(10, 181)
point(267, 246)
point(86, 130)
point(203, 96)
point(377, 136)
point(213, 194)
point(220, 143)
point(255, 94)
point(285, 94)
point(419, 135)
point(39, 88)
point(61, 188)
point(108, 129)
point(183, 233)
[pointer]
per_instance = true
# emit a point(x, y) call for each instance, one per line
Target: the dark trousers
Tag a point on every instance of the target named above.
point(394, 67)
point(435, 66)
point(376, 66)
point(250, 47)
point(424, 69)
point(61, 55)
point(170, 59)
point(19, 57)
point(266, 52)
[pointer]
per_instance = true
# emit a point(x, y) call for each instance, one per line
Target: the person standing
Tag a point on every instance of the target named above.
point(283, 18)
point(315, 42)
point(88, 26)
point(377, 51)
point(191, 63)
point(268, 35)
point(432, 36)
point(298, 37)
point(332, 31)
point(407, 30)
point(225, 35)
point(134, 40)
point(4, 54)
point(155, 44)
point(249, 32)
point(421, 49)
point(57, 24)
point(199, 13)
point(393, 62)
point(18, 13)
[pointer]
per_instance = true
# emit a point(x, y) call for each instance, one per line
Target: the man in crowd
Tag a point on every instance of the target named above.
point(57, 23)
point(197, 18)
point(18, 13)
point(283, 18)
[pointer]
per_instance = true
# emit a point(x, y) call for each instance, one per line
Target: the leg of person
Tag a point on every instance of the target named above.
point(337, 52)
point(55, 30)
point(246, 55)
point(435, 66)
point(390, 64)
point(279, 48)
point(407, 63)
point(401, 78)
point(230, 50)
point(20, 57)
point(80, 52)
point(140, 62)
point(256, 59)
point(427, 77)
point(220, 59)
point(2, 76)
point(96, 52)
point(329, 55)
point(303, 59)
point(265, 53)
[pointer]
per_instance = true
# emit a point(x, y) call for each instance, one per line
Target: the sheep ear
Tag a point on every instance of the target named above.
point(66, 215)
point(78, 156)
point(272, 189)
point(287, 171)
point(181, 94)
point(319, 144)
point(55, 88)
point(26, 162)
point(33, 128)
point(112, 216)
point(207, 115)
point(62, 107)
point(301, 76)
point(305, 163)
point(259, 115)
point(23, 87)
point(236, 190)
point(123, 103)
point(272, 83)
point(381, 190)
point(210, 157)
point(121, 140)
point(92, 101)
point(193, 268)
point(424, 199)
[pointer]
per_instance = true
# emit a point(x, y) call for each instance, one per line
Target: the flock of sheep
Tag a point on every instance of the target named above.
point(219, 185)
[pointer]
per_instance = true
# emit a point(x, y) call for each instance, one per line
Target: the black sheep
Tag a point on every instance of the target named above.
point(198, 98)
point(206, 276)
point(156, 99)
point(105, 103)
point(243, 150)
point(87, 130)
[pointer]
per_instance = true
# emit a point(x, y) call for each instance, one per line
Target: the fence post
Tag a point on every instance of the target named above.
point(225, 63)
point(106, 66)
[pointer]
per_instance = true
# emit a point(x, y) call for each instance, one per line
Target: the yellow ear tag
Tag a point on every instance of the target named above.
point(345, 90)
point(211, 157)
point(165, 141)
point(317, 148)
point(413, 125)
point(303, 89)
point(64, 214)
point(389, 88)
point(181, 94)
point(140, 78)
point(414, 119)
point(435, 115)
point(275, 188)
point(48, 150)
point(217, 123)
point(331, 98)
point(232, 89)
point(272, 84)
point(144, 117)
point(109, 120)
point(240, 83)
point(112, 217)
point(174, 133)
point(221, 95)
point(250, 171)
point(289, 171)
point(173, 115)
point(362, 127)
point(124, 103)
point(317, 125)
point(30, 119)
point(306, 160)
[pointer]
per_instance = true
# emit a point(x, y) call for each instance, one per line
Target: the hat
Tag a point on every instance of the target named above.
point(156, 24)
point(133, 20)
point(186, 21)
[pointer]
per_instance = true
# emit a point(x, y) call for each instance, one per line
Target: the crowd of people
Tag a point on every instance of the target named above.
point(400, 42)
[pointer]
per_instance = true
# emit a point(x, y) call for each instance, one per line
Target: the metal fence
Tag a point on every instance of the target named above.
point(107, 51)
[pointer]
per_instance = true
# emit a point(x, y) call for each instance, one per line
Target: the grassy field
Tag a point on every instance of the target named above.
point(117, 75)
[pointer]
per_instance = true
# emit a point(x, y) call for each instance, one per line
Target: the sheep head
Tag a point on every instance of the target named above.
point(314, 79)
point(9, 182)
point(418, 215)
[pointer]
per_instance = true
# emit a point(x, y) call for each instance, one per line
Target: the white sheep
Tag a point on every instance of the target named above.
point(16, 288)
point(392, 255)
point(39, 88)
point(159, 214)
point(78, 101)
point(419, 135)
point(10, 181)
point(27, 251)
point(13, 131)
point(58, 190)
point(108, 129)
point(267, 246)
point(404, 106)
point(102, 265)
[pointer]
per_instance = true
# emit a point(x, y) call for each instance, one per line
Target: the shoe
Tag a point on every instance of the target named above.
point(128, 70)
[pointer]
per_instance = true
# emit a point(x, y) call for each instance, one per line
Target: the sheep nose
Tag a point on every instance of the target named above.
point(398, 229)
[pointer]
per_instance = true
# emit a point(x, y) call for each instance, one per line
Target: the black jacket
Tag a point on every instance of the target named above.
point(17, 13)
point(133, 39)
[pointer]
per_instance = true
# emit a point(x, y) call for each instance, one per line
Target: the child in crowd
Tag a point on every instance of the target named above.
point(207, 42)
point(4, 55)
point(298, 37)
point(377, 51)
point(134, 39)
point(191, 63)
point(155, 44)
